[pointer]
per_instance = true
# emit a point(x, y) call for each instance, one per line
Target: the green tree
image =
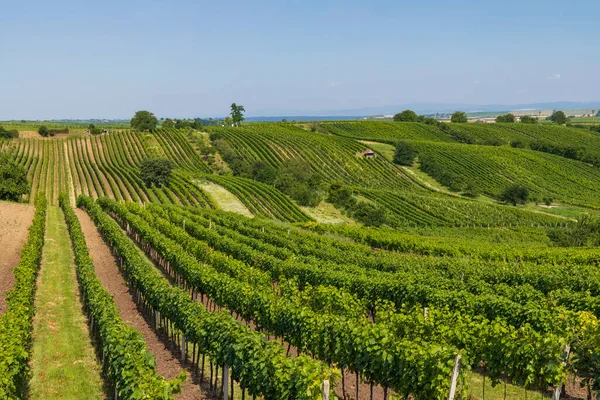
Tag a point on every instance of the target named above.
point(11, 134)
point(144, 121)
point(168, 124)
point(156, 172)
point(406, 116)
point(228, 121)
point(237, 114)
point(263, 172)
point(181, 124)
point(459, 117)
point(44, 131)
point(507, 118)
point(405, 154)
point(515, 194)
point(559, 118)
point(526, 119)
point(368, 214)
point(13, 179)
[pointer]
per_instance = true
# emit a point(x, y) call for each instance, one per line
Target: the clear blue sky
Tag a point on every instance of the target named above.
point(183, 58)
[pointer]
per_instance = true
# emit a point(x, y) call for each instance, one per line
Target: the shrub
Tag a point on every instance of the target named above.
point(263, 172)
point(507, 118)
point(459, 117)
point(405, 154)
point(44, 131)
point(13, 179)
point(515, 194)
point(368, 214)
point(11, 134)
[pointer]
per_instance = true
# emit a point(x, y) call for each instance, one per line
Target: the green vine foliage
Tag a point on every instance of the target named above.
point(15, 323)
point(260, 366)
point(408, 366)
point(128, 364)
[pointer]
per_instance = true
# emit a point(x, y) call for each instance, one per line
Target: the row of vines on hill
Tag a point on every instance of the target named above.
point(15, 323)
point(261, 367)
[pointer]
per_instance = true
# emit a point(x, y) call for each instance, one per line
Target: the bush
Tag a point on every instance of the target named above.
point(340, 196)
point(507, 118)
point(517, 144)
point(11, 134)
point(526, 119)
point(44, 131)
point(296, 179)
point(405, 154)
point(368, 214)
point(515, 194)
point(585, 233)
point(156, 171)
point(459, 117)
point(13, 179)
point(263, 172)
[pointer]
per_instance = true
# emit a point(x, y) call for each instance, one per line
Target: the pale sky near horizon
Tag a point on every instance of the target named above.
point(185, 58)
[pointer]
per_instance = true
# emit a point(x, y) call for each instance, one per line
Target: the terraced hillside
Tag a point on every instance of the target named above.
point(333, 157)
point(494, 168)
point(108, 165)
point(406, 208)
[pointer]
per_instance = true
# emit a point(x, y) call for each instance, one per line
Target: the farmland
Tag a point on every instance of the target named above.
point(165, 295)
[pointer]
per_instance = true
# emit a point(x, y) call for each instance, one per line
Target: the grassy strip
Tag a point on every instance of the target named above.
point(63, 361)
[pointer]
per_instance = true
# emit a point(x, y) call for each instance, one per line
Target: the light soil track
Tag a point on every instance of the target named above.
point(15, 219)
point(69, 175)
point(106, 268)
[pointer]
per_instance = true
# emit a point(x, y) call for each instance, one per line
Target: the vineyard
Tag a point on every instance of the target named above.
point(108, 165)
point(493, 168)
point(455, 297)
point(333, 157)
point(387, 132)
point(408, 208)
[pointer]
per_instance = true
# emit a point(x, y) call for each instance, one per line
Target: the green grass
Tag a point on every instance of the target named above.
point(226, 200)
point(475, 391)
point(64, 364)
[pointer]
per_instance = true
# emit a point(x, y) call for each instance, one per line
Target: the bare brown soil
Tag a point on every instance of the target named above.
point(167, 363)
point(15, 219)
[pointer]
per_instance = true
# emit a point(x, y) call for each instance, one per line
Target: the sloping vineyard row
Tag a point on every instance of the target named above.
point(262, 200)
point(520, 366)
point(260, 366)
point(333, 157)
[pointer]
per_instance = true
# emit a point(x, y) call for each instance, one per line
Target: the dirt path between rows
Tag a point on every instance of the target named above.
point(15, 220)
point(166, 363)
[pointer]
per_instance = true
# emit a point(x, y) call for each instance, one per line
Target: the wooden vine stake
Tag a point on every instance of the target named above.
point(454, 380)
point(225, 381)
point(557, 389)
point(325, 390)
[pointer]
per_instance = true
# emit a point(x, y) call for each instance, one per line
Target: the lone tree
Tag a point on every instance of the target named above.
point(515, 194)
point(559, 118)
point(507, 118)
point(43, 131)
point(156, 172)
point(406, 116)
point(459, 117)
point(405, 154)
point(13, 179)
point(237, 114)
point(144, 121)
